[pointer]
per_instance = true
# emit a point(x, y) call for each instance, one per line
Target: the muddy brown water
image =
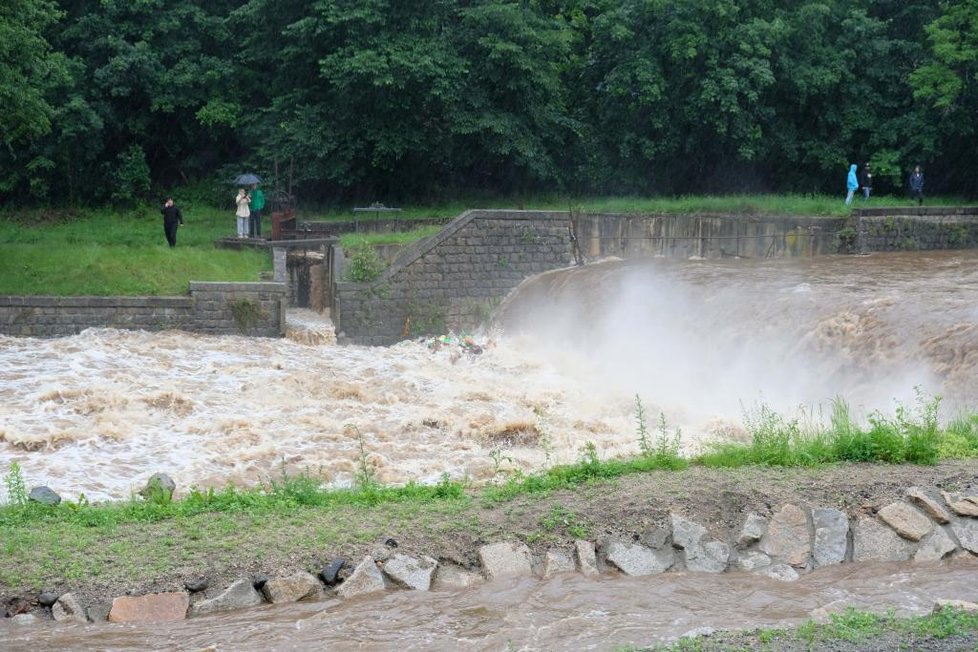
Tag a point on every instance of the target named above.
point(697, 341)
point(566, 612)
point(704, 344)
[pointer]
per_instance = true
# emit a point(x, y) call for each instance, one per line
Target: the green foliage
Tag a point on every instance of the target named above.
point(365, 264)
point(247, 314)
point(14, 482)
point(913, 435)
point(387, 99)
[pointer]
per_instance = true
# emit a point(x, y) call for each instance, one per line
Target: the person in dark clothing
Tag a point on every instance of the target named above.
point(917, 185)
point(172, 218)
point(866, 181)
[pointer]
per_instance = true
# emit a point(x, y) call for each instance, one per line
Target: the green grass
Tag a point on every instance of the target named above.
point(105, 253)
point(913, 435)
point(807, 205)
point(851, 626)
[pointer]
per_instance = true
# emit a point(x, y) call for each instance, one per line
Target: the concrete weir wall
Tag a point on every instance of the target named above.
point(212, 308)
point(454, 279)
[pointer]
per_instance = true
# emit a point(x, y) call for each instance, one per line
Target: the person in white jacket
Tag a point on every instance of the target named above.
point(243, 212)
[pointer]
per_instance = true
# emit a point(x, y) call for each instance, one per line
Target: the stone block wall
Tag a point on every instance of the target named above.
point(213, 308)
point(455, 278)
point(902, 229)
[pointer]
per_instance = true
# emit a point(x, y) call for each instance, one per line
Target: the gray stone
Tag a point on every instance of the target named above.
point(197, 584)
point(656, 537)
point(935, 547)
point(873, 541)
point(685, 533)
point(505, 559)
point(959, 506)
point(587, 560)
point(68, 609)
point(450, 576)
point(410, 572)
point(24, 619)
point(787, 538)
point(711, 557)
point(239, 595)
point(929, 503)
point(331, 574)
point(366, 578)
point(637, 560)
point(160, 486)
point(293, 588)
point(557, 562)
point(967, 534)
point(47, 598)
point(44, 496)
point(99, 613)
point(754, 528)
point(908, 522)
point(380, 553)
point(752, 560)
point(780, 572)
point(831, 536)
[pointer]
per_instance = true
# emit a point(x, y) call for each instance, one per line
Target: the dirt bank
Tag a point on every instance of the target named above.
point(97, 564)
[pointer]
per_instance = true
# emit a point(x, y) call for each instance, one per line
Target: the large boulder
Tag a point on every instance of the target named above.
point(44, 496)
point(907, 521)
point(587, 560)
point(159, 488)
point(557, 561)
point(411, 572)
point(966, 506)
point(753, 530)
point(505, 559)
point(67, 609)
point(967, 533)
point(873, 541)
point(637, 560)
point(929, 502)
point(710, 557)
point(451, 576)
point(240, 595)
point(831, 536)
point(366, 578)
point(293, 588)
point(936, 546)
point(153, 608)
point(788, 538)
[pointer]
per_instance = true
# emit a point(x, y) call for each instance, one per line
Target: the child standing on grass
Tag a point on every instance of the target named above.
point(172, 218)
point(242, 212)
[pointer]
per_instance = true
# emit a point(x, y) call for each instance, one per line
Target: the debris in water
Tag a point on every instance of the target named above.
point(464, 344)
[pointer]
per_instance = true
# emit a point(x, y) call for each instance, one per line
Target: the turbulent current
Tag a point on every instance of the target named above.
point(699, 342)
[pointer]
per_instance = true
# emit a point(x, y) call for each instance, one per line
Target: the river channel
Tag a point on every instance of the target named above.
point(566, 612)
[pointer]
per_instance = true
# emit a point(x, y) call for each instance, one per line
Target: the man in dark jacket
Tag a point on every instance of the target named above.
point(866, 181)
point(917, 185)
point(171, 219)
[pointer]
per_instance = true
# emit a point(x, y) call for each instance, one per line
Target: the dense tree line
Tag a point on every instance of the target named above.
point(108, 99)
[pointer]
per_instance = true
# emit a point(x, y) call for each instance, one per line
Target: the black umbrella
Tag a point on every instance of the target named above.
point(246, 179)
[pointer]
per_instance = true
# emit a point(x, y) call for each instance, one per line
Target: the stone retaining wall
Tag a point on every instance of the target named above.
point(455, 278)
point(926, 526)
point(212, 308)
point(902, 229)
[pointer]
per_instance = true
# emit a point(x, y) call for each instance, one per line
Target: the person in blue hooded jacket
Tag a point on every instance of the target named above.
point(852, 184)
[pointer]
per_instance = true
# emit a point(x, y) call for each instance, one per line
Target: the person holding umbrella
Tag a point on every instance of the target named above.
point(242, 212)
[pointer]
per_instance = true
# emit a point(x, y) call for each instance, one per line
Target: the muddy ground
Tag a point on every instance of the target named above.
point(249, 545)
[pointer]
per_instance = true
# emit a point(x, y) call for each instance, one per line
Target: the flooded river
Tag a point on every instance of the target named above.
point(566, 612)
point(698, 341)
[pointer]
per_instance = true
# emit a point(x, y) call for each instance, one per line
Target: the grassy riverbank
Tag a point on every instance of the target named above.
point(66, 252)
point(103, 253)
point(295, 517)
point(850, 631)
